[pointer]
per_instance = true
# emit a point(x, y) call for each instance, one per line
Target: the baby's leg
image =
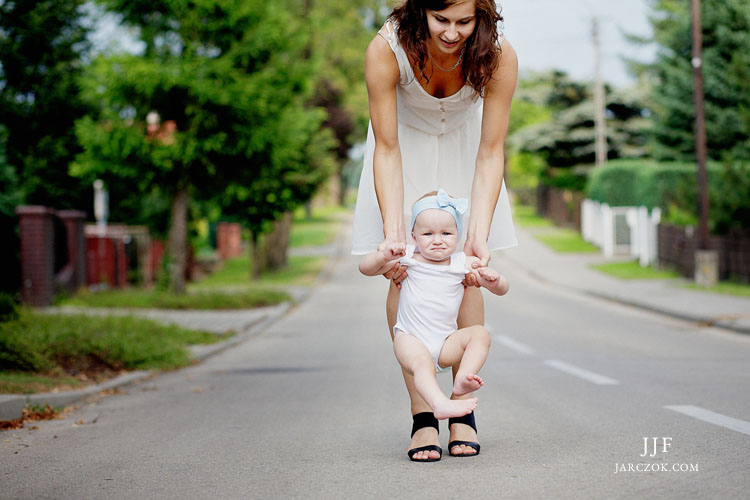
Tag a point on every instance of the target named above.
point(414, 357)
point(469, 347)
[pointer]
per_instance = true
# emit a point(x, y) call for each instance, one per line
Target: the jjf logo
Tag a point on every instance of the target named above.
point(657, 445)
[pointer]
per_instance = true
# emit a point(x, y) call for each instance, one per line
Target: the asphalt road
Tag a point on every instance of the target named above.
point(315, 408)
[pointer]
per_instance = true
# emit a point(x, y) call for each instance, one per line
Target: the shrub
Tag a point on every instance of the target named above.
point(565, 178)
point(8, 307)
point(672, 187)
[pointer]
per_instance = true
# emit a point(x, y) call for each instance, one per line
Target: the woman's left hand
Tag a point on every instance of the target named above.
point(480, 250)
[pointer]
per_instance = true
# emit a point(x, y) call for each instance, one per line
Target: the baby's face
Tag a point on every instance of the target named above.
point(435, 234)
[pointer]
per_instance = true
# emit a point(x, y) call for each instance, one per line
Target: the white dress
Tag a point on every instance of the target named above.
point(439, 140)
point(429, 301)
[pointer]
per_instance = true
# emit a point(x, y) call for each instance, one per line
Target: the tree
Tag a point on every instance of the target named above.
point(726, 70)
point(10, 197)
point(41, 46)
point(225, 88)
point(340, 36)
point(567, 139)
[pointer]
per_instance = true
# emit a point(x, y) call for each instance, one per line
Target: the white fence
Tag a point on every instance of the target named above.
point(621, 230)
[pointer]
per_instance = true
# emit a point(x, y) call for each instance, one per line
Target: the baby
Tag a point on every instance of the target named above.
point(426, 335)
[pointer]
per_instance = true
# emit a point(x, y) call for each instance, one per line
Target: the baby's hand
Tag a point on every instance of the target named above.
point(487, 274)
point(394, 251)
point(491, 280)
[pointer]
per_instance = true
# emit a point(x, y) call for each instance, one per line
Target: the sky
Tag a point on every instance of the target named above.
point(550, 34)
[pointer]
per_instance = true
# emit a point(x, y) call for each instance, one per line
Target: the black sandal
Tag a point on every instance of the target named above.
point(468, 420)
point(422, 420)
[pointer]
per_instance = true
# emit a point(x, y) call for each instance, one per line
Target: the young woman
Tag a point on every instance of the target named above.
point(440, 79)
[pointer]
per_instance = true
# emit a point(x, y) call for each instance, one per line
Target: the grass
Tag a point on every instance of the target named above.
point(204, 300)
point(30, 383)
point(632, 270)
point(302, 271)
point(565, 241)
point(39, 351)
point(526, 216)
point(724, 287)
point(313, 232)
point(318, 230)
point(557, 238)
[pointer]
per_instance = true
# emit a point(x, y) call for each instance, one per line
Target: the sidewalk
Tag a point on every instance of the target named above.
point(573, 271)
point(245, 323)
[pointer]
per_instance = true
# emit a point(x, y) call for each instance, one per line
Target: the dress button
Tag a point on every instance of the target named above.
point(443, 120)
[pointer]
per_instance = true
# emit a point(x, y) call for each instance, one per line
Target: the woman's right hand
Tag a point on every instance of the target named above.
point(398, 272)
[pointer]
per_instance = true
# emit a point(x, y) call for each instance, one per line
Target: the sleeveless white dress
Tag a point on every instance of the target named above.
point(439, 140)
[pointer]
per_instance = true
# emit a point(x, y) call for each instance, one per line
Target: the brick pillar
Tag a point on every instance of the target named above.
point(37, 254)
point(228, 240)
point(74, 222)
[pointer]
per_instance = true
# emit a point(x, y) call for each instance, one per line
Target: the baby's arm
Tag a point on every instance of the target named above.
point(488, 278)
point(383, 260)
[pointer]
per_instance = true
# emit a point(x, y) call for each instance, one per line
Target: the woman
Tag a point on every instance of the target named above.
point(440, 79)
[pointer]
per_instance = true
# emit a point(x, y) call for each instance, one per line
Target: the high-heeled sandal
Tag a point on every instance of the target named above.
point(468, 420)
point(422, 420)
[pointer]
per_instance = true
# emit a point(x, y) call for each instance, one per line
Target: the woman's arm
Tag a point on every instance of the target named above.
point(382, 76)
point(488, 173)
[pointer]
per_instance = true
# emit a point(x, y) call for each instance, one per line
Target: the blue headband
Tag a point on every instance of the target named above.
point(442, 201)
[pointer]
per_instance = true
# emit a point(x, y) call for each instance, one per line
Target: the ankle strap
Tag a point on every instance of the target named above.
point(422, 420)
point(466, 419)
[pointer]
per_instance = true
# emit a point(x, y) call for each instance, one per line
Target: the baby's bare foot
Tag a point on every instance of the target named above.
point(454, 408)
point(467, 384)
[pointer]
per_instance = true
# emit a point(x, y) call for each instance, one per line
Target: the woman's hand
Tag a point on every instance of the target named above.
point(478, 249)
point(398, 272)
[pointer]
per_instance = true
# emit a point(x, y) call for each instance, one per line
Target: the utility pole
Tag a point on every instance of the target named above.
point(706, 261)
point(600, 125)
point(704, 240)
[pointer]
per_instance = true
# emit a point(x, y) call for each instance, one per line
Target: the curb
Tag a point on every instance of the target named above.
point(704, 320)
point(12, 405)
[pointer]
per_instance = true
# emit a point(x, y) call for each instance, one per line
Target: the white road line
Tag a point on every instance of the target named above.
point(514, 344)
point(580, 372)
point(711, 417)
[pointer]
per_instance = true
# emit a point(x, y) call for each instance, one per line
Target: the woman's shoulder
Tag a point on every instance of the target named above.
point(380, 60)
point(505, 76)
point(508, 57)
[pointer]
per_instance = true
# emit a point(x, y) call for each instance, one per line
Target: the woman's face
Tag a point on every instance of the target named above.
point(449, 28)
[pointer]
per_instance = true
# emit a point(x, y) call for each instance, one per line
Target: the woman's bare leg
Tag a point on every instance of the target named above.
point(471, 313)
point(427, 435)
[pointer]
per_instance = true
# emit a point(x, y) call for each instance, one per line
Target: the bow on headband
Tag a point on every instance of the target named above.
point(442, 201)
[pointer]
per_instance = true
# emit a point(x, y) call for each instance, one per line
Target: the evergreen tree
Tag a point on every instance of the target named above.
point(726, 72)
point(567, 138)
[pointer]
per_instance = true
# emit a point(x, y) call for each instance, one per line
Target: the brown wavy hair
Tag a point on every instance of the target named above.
point(482, 55)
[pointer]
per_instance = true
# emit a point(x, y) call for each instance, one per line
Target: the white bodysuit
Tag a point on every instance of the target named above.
point(430, 299)
point(439, 140)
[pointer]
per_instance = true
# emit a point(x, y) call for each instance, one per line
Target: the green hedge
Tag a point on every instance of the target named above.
point(672, 187)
